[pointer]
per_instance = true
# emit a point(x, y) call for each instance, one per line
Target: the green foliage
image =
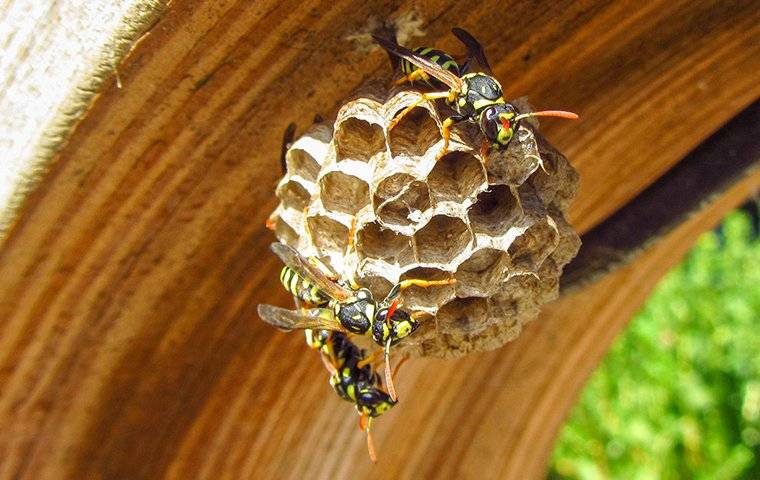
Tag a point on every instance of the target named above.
point(678, 395)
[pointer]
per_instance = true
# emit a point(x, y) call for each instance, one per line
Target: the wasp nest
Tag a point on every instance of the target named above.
point(497, 227)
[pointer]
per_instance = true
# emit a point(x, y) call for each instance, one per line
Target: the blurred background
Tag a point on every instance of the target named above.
point(678, 395)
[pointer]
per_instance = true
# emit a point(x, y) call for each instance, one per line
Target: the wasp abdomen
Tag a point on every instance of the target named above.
point(302, 289)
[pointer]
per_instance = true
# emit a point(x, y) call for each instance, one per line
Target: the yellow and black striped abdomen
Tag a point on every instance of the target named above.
point(443, 59)
point(302, 288)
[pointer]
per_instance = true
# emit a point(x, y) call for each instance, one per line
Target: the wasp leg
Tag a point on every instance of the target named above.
point(388, 375)
point(446, 132)
point(404, 284)
point(368, 359)
point(484, 146)
point(424, 97)
point(418, 74)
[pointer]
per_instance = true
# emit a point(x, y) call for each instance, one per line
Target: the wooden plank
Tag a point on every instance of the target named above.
point(129, 345)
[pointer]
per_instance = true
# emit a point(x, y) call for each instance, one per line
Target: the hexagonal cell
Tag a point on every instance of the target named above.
point(345, 193)
point(391, 186)
point(374, 241)
point(463, 315)
point(495, 211)
point(403, 209)
point(530, 249)
point(456, 176)
point(358, 139)
point(293, 195)
point(479, 275)
point(379, 286)
point(429, 297)
point(414, 134)
point(285, 232)
point(442, 239)
point(327, 234)
point(300, 162)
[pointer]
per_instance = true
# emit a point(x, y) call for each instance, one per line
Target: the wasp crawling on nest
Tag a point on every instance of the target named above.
point(475, 96)
point(393, 229)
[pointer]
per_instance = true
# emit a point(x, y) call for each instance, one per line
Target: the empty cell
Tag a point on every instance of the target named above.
point(479, 275)
point(345, 193)
point(442, 239)
point(374, 241)
point(463, 315)
point(293, 195)
point(391, 186)
point(285, 233)
point(457, 176)
point(427, 297)
point(414, 134)
point(411, 202)
point(300, 162)
point(530, 249)
point(358, 139)
point(379, 286)
point(494, 211)
point(327, 234)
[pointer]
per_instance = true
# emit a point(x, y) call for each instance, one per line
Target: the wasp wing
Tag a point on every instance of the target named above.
point(284, 319)
point(428, 66)
point(474, 48)
point(303, 266)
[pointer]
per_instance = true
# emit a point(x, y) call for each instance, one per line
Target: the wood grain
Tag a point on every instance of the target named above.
point(129, 346)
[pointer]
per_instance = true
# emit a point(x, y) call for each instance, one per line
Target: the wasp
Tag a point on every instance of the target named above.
point(326, 303)
point(353, 378)
point(475, 96)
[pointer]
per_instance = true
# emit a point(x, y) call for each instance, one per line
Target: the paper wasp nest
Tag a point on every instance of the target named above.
point(499, 230)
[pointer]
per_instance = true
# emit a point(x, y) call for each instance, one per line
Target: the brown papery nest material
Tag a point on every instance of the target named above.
point(498, 227)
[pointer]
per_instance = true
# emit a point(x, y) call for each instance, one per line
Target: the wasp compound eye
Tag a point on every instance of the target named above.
point(489, 122)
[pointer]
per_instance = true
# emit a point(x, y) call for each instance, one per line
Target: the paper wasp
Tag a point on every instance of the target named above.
point(327, 303)
point(475, 97)
point(352, 377)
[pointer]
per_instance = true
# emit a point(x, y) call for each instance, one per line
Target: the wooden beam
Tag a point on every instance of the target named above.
point(129, 344)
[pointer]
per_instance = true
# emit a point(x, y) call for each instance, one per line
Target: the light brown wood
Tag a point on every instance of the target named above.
point(129, 344)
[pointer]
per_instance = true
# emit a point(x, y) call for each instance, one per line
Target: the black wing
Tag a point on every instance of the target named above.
point(287, 140)
point(428, 66)
point(474, 49)
point(284, 319)
point(310, 271)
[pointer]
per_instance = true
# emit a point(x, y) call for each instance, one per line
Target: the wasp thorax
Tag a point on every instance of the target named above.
point(497, 227)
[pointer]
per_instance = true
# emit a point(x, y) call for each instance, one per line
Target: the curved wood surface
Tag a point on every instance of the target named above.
point(129, 343)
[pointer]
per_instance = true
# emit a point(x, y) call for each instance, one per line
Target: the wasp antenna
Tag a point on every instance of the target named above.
point(388, 374)
point(370, 443)
point(549, 113)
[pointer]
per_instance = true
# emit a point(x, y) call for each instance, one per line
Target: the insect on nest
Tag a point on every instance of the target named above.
point(428, 217)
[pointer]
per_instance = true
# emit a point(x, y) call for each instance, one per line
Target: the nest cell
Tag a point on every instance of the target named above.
point(529, 250)
point(480, 275)
point(345, 193)
point(442, 239)
point(414, 134)
point(402, 210)
point(294, 195)
point(392, 186)
point(379, 286)
point(327, 234)
point(374, 241)
point(430, 297)
point(357, 139)
point(301, 163)
point(463, 315)
point(495, 211)
point(285, 233)
point(455, 177)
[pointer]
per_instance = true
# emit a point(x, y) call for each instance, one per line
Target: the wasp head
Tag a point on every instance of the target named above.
point(372, 401)
point(498, 123)
point(400, 325)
